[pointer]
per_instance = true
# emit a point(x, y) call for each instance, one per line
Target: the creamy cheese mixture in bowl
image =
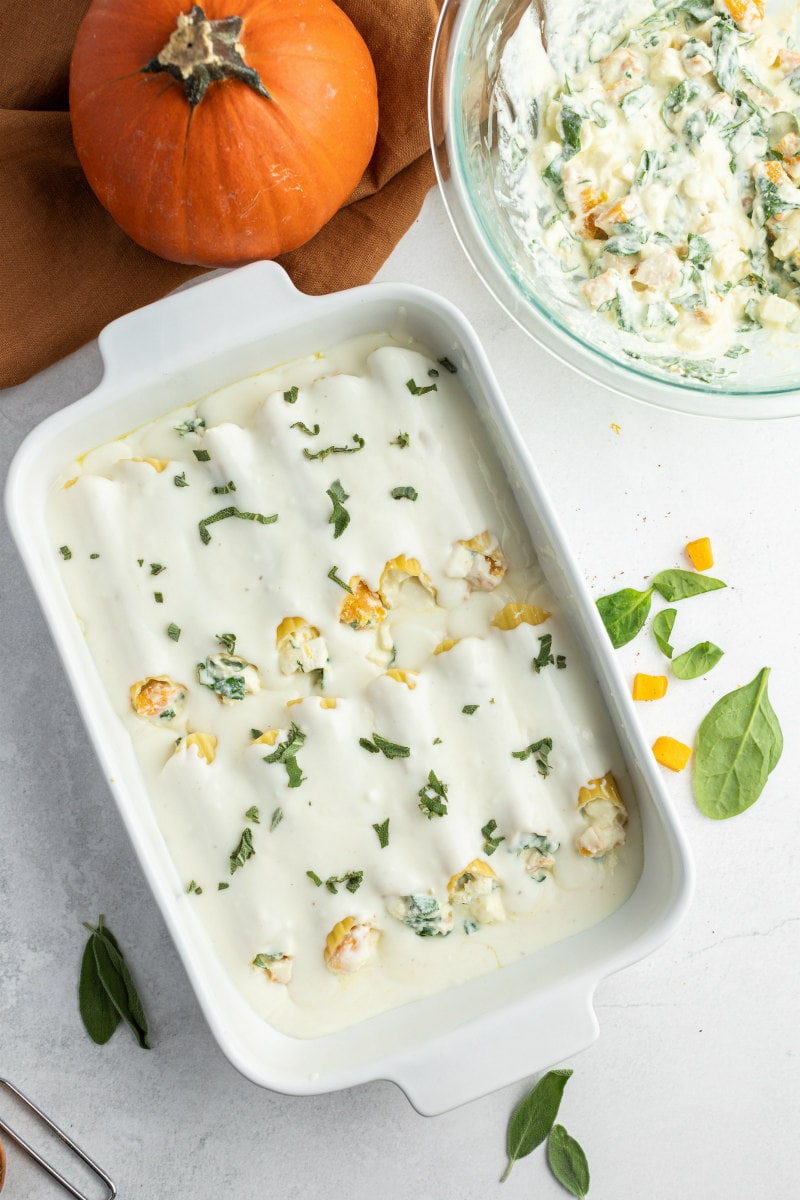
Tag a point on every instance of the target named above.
point(363, 724)
point(625, 177)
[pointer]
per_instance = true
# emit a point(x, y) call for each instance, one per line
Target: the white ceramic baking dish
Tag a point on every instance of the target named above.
point(454, 1046)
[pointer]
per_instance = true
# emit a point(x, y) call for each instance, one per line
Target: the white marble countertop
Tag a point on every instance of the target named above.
point(693, 1080)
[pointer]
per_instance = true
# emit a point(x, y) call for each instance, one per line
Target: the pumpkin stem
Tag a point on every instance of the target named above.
point(200, 51)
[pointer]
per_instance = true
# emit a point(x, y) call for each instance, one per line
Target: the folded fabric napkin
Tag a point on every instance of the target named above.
point(66, 269)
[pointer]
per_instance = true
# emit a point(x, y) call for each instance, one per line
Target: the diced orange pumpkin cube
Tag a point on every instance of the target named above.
point(649, 687)
point(700, 554)
point(774, 172)
point(748, 14)
point(671, 753)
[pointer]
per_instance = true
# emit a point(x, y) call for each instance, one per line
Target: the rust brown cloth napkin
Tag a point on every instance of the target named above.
point(66, 269)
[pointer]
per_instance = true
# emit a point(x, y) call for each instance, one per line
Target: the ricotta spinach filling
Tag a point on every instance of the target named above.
point(666, 175)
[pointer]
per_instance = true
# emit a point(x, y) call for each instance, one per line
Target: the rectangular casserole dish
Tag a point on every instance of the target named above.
point(447, 1048)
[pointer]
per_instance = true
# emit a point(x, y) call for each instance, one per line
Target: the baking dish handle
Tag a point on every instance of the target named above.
point(252, 298)
point(478, 1058)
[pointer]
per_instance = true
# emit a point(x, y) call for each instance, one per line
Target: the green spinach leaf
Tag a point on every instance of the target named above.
point(697, 661)
point(663, 623)
point(738, 744)
point(679, 585)
point(624, 613)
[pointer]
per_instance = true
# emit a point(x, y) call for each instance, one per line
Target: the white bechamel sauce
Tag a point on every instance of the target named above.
point(650, 163)
point(246, 580)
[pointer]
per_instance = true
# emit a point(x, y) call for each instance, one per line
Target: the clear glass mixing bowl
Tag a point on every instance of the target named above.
point(462, 101)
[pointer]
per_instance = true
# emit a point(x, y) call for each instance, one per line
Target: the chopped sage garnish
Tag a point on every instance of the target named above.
point(387, 748)
point(252, 815)
point(190, 425)
point(321, 454)
point(301, 425)
point(174, 631)
point(490, 842)
point(352, 881)
point(224, 488)
point(193, 887)
point(65, 552)
point(181, 480)
point(156, 568)
point(228, 640)
point(433, 797)
point(286, 752)
point(404, 493)
point(275, 819)
point(205, 536)
point(448, 366)
point(335, 578)
point(469, 709)
point(158, 597)
point(340, 517)
point(382, 830)
point(243, 851)
point(291, 396)
point(202, 455)
point(540, 751)
point(545, 658)
point(416, 390)
point(401, 440)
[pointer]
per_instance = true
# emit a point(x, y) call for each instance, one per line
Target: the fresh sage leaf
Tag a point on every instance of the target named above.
point(697, 661)
point(533, 1118)
point(568, 1162)
point(116, 979)
point(135, 1015)
point(98, 1013)
point(624, 613)
point(739, 742)
point(679, 585)
point(663, 623)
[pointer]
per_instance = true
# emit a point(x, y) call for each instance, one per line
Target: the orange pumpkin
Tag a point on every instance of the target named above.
point(221, 135)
